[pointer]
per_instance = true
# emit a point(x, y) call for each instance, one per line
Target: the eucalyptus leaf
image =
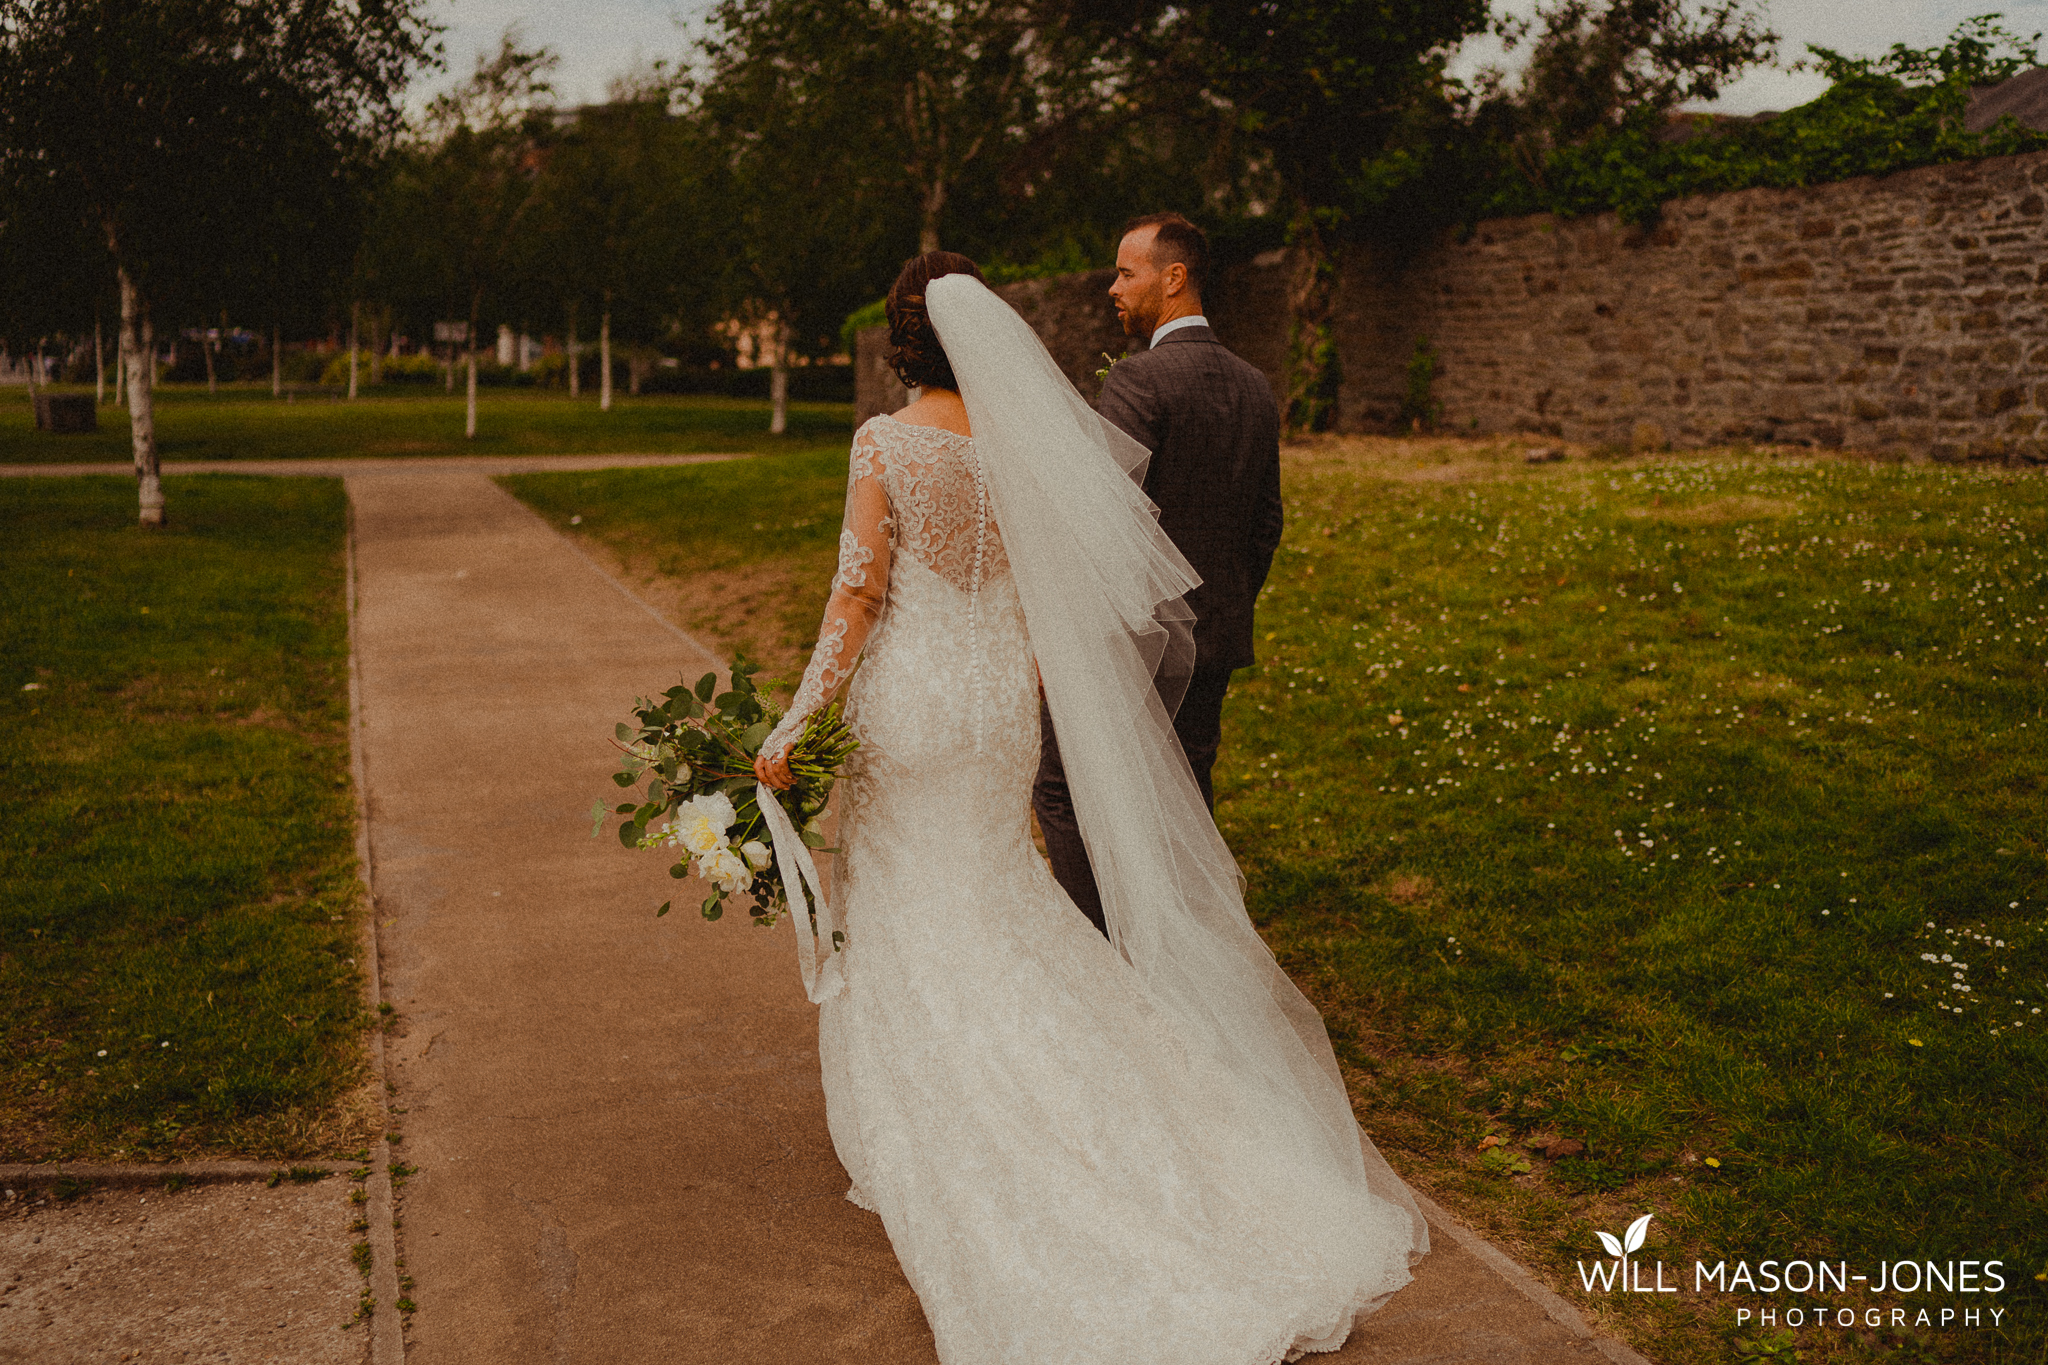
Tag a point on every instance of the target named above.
point(679, 871)
point(706, 685)
point(597, 817)
point(714, 906)
point(629, 834)
point(664, 909)
point(624, 779)
point(625, 733)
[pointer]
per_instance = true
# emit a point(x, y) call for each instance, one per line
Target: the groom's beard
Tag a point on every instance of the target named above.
point(1140, 317)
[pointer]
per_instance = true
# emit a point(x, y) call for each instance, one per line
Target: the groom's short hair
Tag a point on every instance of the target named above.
point(1176, 239)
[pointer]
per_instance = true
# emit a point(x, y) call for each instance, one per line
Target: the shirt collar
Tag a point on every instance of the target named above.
point(1192, 320)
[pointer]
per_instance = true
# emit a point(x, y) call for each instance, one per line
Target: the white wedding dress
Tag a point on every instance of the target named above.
point(1066, 1172)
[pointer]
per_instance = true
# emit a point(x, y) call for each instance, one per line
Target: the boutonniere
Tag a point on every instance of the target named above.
point(1103, 373)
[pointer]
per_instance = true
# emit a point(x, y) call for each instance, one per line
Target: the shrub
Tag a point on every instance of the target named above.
point(1419, 406)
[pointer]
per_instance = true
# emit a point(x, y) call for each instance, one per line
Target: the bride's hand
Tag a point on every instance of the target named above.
point(774, 772)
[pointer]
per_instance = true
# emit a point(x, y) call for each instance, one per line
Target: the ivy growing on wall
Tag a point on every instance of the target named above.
point(1880, 114)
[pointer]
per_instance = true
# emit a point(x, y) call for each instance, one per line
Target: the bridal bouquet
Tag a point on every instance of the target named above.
point(696, 753)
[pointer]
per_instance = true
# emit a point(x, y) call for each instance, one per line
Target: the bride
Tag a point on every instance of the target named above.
point(1135, 1149)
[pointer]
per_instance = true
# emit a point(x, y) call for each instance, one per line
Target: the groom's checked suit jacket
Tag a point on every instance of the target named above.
point(1214, 432)
point(1212, 426)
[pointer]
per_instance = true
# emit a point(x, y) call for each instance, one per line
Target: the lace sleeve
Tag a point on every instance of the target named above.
point(859, 589)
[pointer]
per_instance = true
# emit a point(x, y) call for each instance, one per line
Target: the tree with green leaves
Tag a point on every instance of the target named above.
point(460, 202)
point(810, 219)
point(1328, 94)
point(619, 228)
point(187, 136)
point(929, 94)
point(1595, 66)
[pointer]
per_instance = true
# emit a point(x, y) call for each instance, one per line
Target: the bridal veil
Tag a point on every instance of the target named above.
point(1102, 588)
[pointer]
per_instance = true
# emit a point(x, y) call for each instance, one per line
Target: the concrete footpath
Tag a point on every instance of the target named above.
point(617, 1119)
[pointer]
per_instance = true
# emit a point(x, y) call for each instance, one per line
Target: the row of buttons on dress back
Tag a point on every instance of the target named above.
point(974, 592)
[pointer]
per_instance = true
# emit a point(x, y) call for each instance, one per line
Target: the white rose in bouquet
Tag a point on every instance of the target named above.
point(757, 855)
point(726, 870)
point(701, 822)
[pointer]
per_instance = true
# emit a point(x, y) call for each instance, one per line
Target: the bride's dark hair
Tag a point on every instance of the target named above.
point(918, 359)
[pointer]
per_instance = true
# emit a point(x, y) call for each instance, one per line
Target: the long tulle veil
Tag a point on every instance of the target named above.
point(1102, 589)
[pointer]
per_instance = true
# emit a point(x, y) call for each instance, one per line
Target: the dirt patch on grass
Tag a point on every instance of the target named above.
point(769, 611)
point(1418, 459)
point(1403, 889)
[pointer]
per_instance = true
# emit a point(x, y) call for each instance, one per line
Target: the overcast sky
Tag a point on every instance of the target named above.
point(599, 39)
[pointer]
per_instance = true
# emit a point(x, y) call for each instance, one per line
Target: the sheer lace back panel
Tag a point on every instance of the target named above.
point(936, 498)
point(918, 490)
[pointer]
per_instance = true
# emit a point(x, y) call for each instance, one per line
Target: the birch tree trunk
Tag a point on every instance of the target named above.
point(206, 350)
point(99, 362)
point(934, 204)
point(604, 361)
point(138, 350)
point(575, 369)
point(469, 419)
point(778, 382)
point(379, 343)
point(354, 312)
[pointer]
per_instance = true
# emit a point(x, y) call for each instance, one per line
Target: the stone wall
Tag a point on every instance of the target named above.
point(875, 386)
point(1904, 314)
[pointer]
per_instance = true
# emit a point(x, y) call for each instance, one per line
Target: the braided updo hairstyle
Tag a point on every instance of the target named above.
point(918, 359)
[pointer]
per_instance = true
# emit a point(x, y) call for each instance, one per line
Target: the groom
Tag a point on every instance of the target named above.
point(1212, 426)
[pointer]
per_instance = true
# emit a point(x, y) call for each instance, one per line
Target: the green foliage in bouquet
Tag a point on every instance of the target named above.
point(696, 753)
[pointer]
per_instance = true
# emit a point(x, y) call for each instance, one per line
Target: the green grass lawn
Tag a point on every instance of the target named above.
point(1661, 806)
point(178, 897)
point(246, 423)
point(1691, 809)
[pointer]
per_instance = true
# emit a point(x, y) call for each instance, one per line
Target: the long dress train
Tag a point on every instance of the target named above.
point(1062, 1177)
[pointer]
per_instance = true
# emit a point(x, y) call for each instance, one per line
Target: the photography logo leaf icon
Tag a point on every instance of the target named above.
point(1631, 1240)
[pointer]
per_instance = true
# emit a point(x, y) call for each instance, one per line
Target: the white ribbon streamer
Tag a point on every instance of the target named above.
point(793, 857)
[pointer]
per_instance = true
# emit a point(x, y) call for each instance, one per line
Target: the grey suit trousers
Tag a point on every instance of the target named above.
point(1199, 723)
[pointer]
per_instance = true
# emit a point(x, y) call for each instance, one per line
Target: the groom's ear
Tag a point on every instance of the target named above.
point(1174, 277)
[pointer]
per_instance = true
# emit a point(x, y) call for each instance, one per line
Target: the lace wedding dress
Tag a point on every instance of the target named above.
point(1063, 1175)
